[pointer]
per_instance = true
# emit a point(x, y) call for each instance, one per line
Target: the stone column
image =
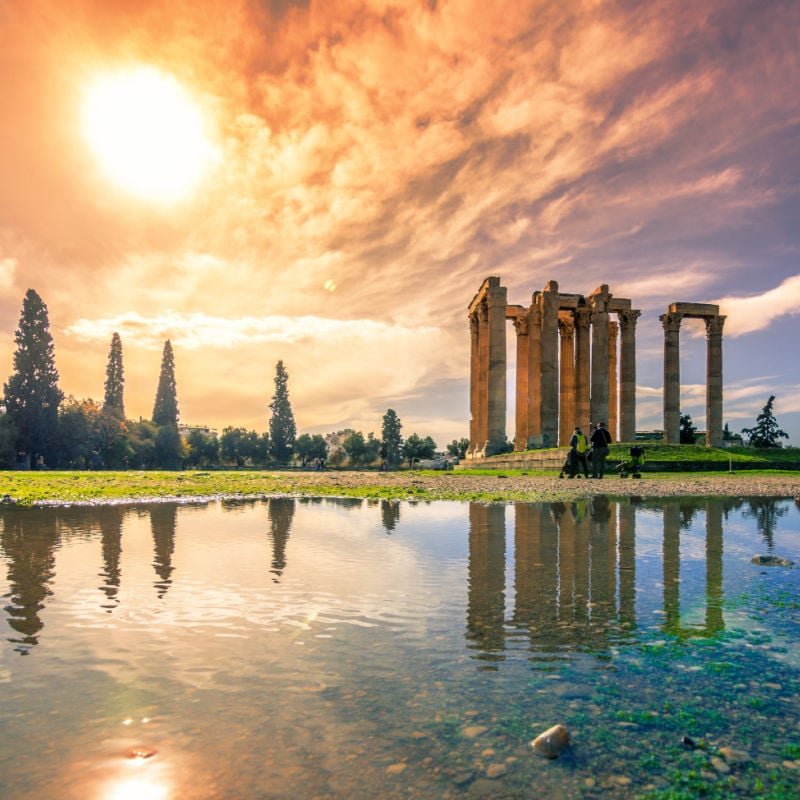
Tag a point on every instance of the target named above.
point(474, 382)
point(672, 377)
point(535, 369)
point(482, 428)
point(627, 375)
point(598, 401)
point(613, 381)
point(549, 366)
point(566, 413)
point(496, 392)
point(582, 321)
point(521, 436)
point(714, 380)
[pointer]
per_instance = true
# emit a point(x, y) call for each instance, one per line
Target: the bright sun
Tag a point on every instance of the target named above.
point(147, 134)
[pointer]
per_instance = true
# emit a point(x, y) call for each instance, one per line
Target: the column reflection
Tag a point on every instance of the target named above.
point(679, 515)
point(486, 581)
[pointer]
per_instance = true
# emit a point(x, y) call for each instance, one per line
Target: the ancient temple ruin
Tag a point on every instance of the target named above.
point(576, 365)
point(672, 377)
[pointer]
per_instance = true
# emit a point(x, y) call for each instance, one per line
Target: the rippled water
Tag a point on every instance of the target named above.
point(347, 649)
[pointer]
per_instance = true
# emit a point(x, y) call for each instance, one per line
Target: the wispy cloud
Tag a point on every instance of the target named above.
point(756, 312)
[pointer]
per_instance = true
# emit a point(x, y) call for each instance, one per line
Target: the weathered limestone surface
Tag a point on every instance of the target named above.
point(566, 416)
point(672, 376)
point(598, 401)
point(575, 366)
point(627, 375)
point(613, 398)
point(714, 322)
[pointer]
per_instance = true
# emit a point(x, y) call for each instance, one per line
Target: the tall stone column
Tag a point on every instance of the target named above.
point(627, 375)
point(549, 366)
point(672, 377)
point(535, 368)
point(613, 381)
point(566, 414)
point(496, 391)
point(474, 382)
point(521, 435)
point(482, 428)
point(582, 322)
point(598, 401)
point(714, 380)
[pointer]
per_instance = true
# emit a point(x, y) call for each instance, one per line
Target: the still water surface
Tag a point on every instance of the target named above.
point(355, 649)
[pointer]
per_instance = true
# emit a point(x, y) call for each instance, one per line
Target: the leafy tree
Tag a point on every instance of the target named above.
point(282, 430)
point(687, 431)
point(203, 449)
point(458, 448)
point(142, 439)
point(169, 448)
point(115, 380)
point(766, 432)
point(309, 447)
point(165, 408)
point(240, 446)
point(391, 438)
point(32, 396)
point(416, 448)
point(75, 435)
point(361, 451)
point(8, 442)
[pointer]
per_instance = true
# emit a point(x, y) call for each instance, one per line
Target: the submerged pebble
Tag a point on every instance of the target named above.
point(551, 742)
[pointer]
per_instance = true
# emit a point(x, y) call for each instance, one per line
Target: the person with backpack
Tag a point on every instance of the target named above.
point(579, 445)
point(600, 439)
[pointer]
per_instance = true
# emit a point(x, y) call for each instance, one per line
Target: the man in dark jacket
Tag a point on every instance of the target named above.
point(600, 441)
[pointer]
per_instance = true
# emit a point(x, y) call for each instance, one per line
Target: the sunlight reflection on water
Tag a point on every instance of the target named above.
point(297, 648)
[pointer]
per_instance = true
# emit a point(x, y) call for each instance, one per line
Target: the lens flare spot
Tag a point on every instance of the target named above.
point(329, 285)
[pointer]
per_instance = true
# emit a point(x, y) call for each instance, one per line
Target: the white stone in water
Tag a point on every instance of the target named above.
point(551, 742)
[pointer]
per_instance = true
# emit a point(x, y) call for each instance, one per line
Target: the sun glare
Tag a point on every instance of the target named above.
point(147, 134)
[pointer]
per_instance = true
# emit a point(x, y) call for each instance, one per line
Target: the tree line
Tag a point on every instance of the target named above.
point(41, 427)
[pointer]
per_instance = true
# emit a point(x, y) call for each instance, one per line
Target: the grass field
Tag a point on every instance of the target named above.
point(31, 488)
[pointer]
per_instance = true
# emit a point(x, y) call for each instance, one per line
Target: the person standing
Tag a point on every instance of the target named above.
point(579, 445)
point(600, 440)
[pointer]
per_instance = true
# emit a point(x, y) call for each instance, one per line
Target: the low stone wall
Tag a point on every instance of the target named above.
point(554, 459)
point(528, 459)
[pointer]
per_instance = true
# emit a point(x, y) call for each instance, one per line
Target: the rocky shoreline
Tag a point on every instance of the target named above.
point(406, 485)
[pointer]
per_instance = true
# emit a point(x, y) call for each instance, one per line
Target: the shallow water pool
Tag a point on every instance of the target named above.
point(309, 648)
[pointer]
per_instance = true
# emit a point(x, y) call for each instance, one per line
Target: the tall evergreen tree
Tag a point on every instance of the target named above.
point(165, 408)
point(282, 430)
point(391, 438)
point(32, 396)
point(115, 379)
point(766, 432)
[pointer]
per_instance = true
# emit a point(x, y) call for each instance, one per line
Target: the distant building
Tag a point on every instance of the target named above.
point(185, 430)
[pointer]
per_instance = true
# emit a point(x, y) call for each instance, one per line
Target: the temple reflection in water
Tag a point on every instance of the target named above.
point(551, 578)
point(574, 575)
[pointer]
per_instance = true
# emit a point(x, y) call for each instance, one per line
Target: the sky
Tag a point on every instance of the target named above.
point(328, 183)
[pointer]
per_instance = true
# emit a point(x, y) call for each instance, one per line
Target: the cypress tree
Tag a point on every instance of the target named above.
point(282, 430)
point(115, 379)
point(165, 408)
point(391, 438)
point(32, 396)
